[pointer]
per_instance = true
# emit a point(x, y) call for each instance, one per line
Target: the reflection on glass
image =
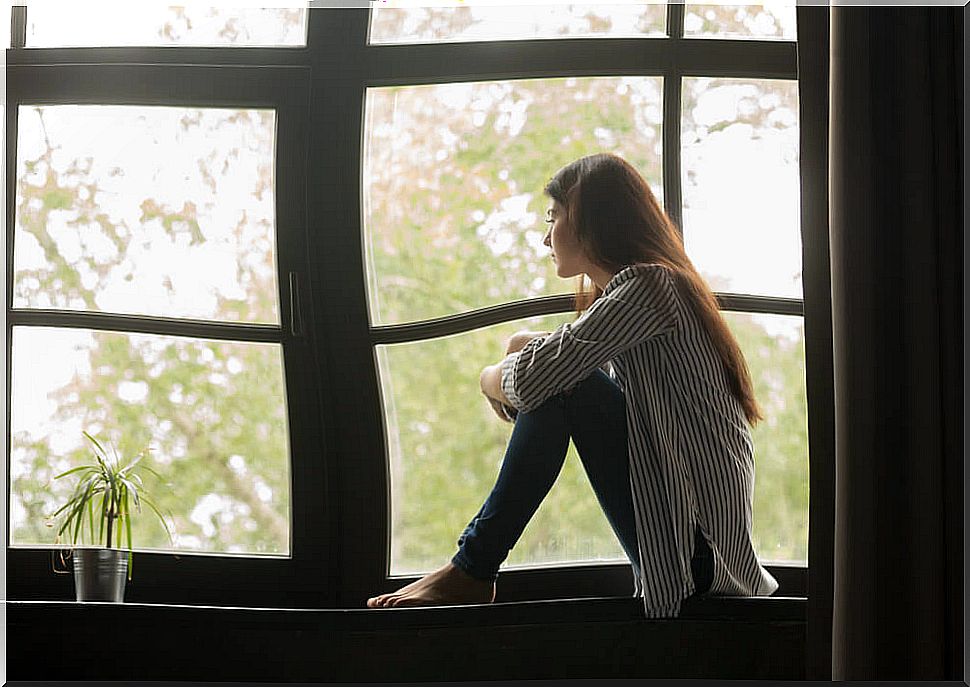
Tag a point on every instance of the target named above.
point(453, 177)
point(740, 178)
point(79, 24)
point(214, 414)
point(509, 22)
point(446, 447)
point(774, 348)
point(773, 21)
point(161, 211)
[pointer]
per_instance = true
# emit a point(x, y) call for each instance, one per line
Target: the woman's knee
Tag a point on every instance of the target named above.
point(597, 389)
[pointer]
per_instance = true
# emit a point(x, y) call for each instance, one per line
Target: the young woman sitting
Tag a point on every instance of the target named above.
point(651, 386)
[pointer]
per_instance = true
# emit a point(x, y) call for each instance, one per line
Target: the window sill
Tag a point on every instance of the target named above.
point(715, 637)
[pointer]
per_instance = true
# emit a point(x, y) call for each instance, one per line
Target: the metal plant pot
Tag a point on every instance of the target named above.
point(100, 574)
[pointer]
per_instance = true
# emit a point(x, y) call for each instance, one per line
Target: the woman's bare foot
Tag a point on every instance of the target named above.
point(446, 585)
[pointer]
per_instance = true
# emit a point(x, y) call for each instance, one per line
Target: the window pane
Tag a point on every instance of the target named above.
point(741, 184)
point(741, 21)
point(446, 447)
point(61, 24)
point(774, 347)
point(147, 211)
point(453, 177)
point(213, 412)
point(489, 23)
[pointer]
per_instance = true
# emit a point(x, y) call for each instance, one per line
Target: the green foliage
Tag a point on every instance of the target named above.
point(57, 199)
point(105, 492)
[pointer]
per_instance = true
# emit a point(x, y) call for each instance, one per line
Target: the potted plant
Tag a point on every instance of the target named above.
point(107, 492)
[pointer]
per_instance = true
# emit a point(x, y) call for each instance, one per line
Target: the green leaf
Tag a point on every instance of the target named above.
point(128, 533)
point(77, 518)
point(104, 515)
point(82, 503)
point(130, 489)
point(93, 441)
point(90, 509)
point(125, 470)
point(62, 508)
point(73, 470)
point(117, 457)
point(145, 467)
point(151, 504)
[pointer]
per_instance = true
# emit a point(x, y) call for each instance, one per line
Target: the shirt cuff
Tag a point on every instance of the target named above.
point(508, 379)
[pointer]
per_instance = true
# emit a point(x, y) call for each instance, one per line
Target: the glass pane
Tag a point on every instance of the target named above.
point(453, 177)
point(475, 22)
point(147, 211)
point(446, 447)
point(741, 184)
point(213, 412)
point(774, 21)
point(62, 24)
point(774, 347)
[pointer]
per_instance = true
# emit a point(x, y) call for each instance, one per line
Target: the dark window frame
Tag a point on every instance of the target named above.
point(340, 486)
point(285, 89)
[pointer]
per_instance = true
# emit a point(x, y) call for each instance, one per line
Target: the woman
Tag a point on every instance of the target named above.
point(664, 437)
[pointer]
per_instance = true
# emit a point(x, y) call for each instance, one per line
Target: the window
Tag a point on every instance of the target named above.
point(154, 300)
point(764, 22)
point(54, 25)
point(472, 22)
point(452, 180)
point(285, 268)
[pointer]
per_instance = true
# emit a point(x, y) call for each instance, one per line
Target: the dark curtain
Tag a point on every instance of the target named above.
point(896, 241)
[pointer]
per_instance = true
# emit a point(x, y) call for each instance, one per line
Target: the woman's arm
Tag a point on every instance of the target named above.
point(641, 305)
point(490, 379)
point(491, 383)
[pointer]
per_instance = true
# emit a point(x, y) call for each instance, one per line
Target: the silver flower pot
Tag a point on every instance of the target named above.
point(100, 574)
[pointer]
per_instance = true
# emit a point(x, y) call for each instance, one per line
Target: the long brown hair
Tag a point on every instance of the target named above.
point(618, 223)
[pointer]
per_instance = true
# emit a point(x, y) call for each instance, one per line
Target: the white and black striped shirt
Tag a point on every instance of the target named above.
point(690, 449)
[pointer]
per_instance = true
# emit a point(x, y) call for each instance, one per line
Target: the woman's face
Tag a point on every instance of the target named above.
point(566, 252)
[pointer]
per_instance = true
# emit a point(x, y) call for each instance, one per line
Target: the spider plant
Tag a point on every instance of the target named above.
point(104, 495)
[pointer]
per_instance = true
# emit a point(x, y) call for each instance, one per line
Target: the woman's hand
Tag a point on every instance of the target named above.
point(518, 340)
point(491, 382)
point(506, 413)
point(490, 379)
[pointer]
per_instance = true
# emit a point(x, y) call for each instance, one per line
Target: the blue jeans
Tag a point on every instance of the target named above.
point(593, 414)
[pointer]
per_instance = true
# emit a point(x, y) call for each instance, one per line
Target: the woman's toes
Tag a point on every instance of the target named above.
point(377, 601)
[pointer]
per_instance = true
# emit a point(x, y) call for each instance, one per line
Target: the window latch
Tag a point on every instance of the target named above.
point(296, 316)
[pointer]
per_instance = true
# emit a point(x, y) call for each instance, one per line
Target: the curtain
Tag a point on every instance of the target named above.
point(896, 242)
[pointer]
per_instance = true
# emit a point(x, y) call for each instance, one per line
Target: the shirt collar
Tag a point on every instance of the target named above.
point(625, 274)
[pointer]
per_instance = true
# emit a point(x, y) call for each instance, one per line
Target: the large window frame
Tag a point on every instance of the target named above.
point(341, 511)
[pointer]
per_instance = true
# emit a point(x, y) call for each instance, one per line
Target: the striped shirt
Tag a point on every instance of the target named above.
point(689, 444)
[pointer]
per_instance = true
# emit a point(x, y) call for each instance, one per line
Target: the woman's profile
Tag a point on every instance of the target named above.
point(652, 388)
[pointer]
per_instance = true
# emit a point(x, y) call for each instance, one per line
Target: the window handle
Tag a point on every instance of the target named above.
point(296, 316)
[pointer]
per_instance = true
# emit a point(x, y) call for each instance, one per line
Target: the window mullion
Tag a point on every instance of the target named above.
point(675, 19)
point(18, 26)
point(672, 196)
point(167, 326)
